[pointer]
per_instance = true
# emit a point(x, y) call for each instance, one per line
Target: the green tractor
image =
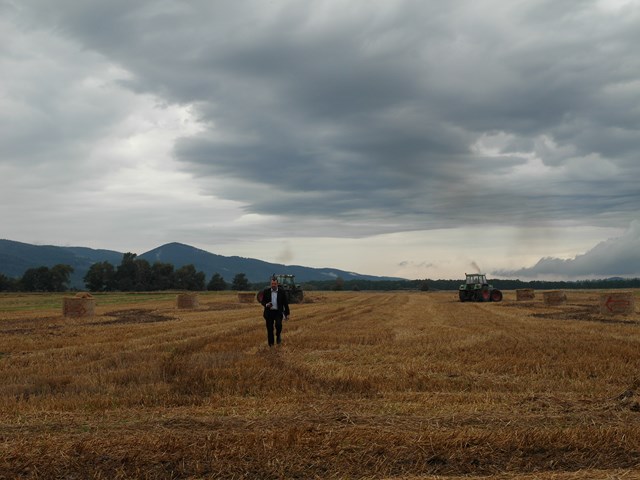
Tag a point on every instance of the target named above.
point(294, 291)
point(288, 284)
point(476, 289)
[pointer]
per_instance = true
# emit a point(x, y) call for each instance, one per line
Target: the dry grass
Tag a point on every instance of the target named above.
point(367, 385)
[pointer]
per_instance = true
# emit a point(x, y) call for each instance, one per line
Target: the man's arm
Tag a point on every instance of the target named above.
point(266, 297)
point(285, 305)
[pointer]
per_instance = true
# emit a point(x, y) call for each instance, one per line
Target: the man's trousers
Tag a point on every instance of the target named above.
point(273, 318)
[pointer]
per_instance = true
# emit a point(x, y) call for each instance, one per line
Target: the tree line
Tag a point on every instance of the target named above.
point(429, 284)
point(132, 275)
point(40, 279)
point(137, 274)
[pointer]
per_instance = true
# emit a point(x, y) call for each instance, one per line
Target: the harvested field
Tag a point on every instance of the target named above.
point(402, 385)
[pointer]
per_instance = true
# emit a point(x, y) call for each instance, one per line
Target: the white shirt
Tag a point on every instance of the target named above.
point(274, 300)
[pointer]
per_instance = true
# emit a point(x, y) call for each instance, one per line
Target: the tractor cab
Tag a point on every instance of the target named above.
point(476, 279)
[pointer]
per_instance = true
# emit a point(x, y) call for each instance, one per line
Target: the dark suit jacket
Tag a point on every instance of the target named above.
point(283, 304)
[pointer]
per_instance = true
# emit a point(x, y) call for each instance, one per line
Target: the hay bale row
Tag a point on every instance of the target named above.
point(554, 297)
point(617, 303)
point(187, 300)
point(246, 297)
point(612, 303)
point(525, 294)
point(82, 305)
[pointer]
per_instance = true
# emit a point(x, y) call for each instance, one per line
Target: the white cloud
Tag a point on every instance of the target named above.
point(618, 256)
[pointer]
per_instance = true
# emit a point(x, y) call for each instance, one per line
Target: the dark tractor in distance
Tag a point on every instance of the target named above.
point(288, 284)
point(477, 289)
point(294, 291)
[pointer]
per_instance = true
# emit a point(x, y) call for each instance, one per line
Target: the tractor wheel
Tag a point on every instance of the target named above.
point(483, 296)
point(295, 296)
point(463, 295)
point(496, 296)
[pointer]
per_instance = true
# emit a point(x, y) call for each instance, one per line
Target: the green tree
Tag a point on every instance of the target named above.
point(7, 284)
point(339, 284)
point(37, 280)
point(100, 277)
point(217, 283)
point(125, 277)
point(60, 277)
point(186, 278)
point(44, 279)
point(143, 275)
point(133, 274)
point(162, 276)
point(240, 282)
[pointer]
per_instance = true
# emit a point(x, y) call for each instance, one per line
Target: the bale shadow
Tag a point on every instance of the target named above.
point(213, 306)
point(30, 326)
point(133, 316)
point(586, 313)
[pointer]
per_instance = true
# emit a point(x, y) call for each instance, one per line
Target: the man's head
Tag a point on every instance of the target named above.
point(274, 283)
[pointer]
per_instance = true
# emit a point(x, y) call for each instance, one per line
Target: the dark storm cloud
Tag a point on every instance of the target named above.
point(348, 109)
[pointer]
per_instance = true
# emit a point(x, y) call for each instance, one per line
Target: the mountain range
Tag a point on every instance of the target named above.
point(17, 257)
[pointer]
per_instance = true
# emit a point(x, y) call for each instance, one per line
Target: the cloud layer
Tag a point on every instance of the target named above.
point(340, 119)
point(618, 256)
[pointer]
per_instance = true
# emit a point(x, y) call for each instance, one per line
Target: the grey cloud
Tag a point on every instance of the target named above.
point(54, 105)
point(340, 110)
point(409, 263)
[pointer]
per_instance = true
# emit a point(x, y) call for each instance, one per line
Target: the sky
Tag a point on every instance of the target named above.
point(409, 138)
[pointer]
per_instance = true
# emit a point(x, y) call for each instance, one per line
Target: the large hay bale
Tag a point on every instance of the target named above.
point(82, 305)
point(246, 297)
point(187, 300)
point(554, 297)
point(617, 303)
point(525, 294)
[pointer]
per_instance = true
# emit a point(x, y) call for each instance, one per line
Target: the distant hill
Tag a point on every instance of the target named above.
point(17, 257)
point(256, 271)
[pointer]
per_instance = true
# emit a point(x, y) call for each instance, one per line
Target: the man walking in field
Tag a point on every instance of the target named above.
point(276, 308)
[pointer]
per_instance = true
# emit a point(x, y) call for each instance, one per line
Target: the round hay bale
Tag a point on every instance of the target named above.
point(525, 294)
point(617, 303)
point(187, 300)
point(78, 306)
point(554, 297)
point(246, 297)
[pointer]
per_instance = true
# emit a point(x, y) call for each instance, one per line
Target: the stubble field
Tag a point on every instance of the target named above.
point(366, 385)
